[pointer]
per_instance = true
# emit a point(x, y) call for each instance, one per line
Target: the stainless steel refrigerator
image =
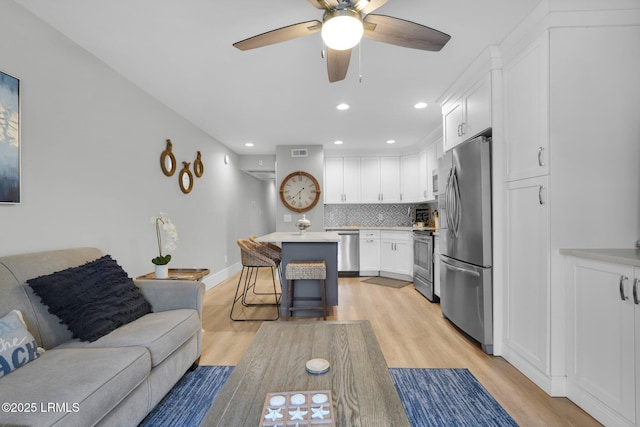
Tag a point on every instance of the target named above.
point(464, 204)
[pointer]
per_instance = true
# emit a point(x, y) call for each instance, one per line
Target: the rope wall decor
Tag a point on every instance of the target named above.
point(168, 165)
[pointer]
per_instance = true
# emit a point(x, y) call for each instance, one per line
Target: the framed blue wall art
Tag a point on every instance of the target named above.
point(9, 139)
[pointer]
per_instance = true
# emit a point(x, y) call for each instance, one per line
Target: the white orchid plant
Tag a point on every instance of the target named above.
point(164, 226)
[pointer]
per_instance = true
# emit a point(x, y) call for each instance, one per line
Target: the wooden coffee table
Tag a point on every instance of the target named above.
point(362, 389)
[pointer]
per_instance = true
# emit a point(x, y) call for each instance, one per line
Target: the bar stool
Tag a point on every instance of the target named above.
point(252, 260)
point(306, 270)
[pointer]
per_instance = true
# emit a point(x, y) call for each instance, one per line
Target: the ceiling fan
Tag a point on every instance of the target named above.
point(343, 24)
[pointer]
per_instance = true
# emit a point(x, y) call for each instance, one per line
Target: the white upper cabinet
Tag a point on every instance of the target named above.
point(370, 179)
point(341, 180)
point(468, 115)
point(362, 180)
point(410, 178)
point(389, 179)
point(526, 111)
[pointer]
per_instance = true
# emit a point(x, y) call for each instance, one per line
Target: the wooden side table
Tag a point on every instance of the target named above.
point(193, 274)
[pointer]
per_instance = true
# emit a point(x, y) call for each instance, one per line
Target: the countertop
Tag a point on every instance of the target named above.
point(357, 227)
point(295, 236)
point(617, 256)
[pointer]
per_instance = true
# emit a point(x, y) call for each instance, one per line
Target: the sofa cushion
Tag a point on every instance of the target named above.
point(73, 387)
point(17, 345)
point(161, 333)
point(92, 299)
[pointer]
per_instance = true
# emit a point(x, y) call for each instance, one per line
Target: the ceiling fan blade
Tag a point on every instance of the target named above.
point(337, 64)
point(324, 4)
point(368, 6)
point(403, 33)
point(280, 35)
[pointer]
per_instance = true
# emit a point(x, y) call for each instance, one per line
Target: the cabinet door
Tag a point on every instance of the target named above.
point(452, 119)
point(369, 254)
point(601, 356)
point(477, 109)
point(387, 255)
point(390, 179)
point(351, 179)
point(370, 179)
point(527, 283)
point(404, 257)
point(436, 265)
point(526, 112)
point(423, 171)
point(410, 181)
point(333, 180)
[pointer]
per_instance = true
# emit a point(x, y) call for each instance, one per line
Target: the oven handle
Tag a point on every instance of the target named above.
point(460, 269)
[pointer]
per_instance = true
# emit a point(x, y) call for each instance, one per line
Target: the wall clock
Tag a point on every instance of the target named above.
point(300, 191)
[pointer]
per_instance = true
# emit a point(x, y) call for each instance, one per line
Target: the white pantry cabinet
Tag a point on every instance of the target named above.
point(526, 111)
point(341, 180)
point(469, 115)
point(396, 254)
point(603, 319)
point(527, 277)
point(550, 77)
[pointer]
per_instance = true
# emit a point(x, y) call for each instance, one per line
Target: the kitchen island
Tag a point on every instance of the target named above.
point(308, 246)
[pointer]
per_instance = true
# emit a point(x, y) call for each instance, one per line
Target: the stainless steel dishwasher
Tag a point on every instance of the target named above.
point(348, 252)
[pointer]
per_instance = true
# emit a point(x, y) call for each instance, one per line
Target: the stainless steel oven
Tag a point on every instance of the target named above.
point(423, 264)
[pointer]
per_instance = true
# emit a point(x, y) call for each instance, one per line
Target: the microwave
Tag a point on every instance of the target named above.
point(434, 178)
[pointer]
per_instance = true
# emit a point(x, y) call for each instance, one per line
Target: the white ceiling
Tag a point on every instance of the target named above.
point(181, 52)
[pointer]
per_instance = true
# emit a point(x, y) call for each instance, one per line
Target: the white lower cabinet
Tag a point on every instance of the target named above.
point(396, 254)
point(527, 282)
point(436, 265)
point(369, 252)
point(603, 330)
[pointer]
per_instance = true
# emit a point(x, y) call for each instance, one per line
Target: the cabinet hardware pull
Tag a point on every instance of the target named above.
point(540, 162)
point(459, 130)
point(635, 291)
point(540, 195)
point(623, 297)
point(463, 131)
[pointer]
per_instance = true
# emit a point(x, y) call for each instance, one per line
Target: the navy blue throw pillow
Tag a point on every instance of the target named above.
point(92, 299)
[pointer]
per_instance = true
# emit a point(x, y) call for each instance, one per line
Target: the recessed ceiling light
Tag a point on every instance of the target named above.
point(249, 144)
point(391, 141)
point(337, 142)
point(342, 107)
point(420, 105)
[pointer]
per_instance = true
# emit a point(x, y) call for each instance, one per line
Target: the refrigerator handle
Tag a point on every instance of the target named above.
point(456, 211)
point(460, 269)
point(447, 192)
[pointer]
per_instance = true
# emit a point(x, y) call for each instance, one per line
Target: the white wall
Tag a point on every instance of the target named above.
point(313, 164)
point(91, 143)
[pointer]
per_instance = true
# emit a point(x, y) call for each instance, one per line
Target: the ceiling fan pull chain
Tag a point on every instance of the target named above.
point(360, 62)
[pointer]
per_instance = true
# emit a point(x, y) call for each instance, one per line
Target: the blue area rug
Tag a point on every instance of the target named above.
point(431, 397)
point(447, 397)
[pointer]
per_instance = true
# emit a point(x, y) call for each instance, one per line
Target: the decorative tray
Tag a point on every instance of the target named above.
point(179, 274)
point(298, 409)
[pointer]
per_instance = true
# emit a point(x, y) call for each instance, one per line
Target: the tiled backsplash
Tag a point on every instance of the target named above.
point(378, 215)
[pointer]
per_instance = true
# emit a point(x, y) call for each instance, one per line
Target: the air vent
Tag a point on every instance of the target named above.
point(299, 152)
point(262, 175)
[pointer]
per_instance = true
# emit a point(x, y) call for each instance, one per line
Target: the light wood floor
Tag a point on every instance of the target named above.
point(412, 334)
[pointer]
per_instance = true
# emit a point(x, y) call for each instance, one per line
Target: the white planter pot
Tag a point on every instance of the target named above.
point(162, 271)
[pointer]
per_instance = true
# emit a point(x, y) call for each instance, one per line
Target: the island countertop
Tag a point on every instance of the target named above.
point(295, 236)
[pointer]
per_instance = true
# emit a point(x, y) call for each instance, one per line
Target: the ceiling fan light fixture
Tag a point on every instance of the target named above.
point(342, 29)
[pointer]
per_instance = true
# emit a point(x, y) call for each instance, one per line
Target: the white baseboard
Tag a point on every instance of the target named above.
point(552, 385)
point(215, 279)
